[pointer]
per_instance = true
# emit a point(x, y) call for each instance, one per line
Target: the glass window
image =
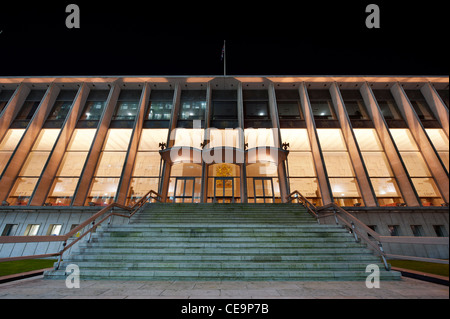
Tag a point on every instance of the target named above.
point(34, 163)
point(331, 140)
point(111, 164)
point(301, 164)
point(256, 104)
point(8, 145)
point(419, 104)
point(31, 230)
point(338, 164)
point(126, 110)
point(354, 104)
point(339, 167)
point(261, 137)
point(72, 164)
point(11, 229)
point(62, 191)
point(160, 105)
point(81, 140)
point(139, 187)
point(394, 230)
point(188, 137)
point(117, 139)
point(440, 231)
point(368, 140)
point(193, 105)
point(224, 105)
point(377, 164)
point(22, 190)
point(224, 138)
point(30, 105)
point(46, 140)
point(321, 104)
point(71, 167)
point(147, 164)
point(440, 143)
point(103, 191)
point(95, 105)
point(387, 104)
point(62, 105)
point(288, 104)
point(150, 139)
point(417, 168)
point(54, 230)
point(417, 230)
point(297, 138)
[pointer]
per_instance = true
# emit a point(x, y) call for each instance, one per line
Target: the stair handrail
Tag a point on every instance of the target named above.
point(353, 224)
point(311, 208)
point(150, 195)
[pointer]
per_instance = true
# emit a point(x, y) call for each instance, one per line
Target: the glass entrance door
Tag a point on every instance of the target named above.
point(223, 190)
point(184, 190)
point(263, 190)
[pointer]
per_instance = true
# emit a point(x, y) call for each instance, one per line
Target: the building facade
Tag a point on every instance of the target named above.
point(366, 143)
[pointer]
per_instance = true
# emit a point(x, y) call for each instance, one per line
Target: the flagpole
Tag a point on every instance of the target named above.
point(224, 60)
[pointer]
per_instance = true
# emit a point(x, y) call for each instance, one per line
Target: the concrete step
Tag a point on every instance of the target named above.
point(367, 258)
point(226, 275)
point(222, 242)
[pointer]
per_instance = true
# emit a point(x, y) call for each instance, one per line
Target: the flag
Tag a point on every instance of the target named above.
point(223, 52)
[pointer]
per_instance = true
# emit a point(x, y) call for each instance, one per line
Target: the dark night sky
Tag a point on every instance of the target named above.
point(263, 38)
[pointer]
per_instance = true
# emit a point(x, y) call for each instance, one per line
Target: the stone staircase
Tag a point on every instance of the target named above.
point(223, 242)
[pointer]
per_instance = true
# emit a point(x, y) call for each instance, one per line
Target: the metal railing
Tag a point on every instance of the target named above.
point(361, 231)
point(109, 210)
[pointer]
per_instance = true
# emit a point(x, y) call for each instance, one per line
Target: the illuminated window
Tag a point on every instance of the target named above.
point(440, 143)
point(147, 165)
point(71, 167)
point(321, 104)
point(160, 105)
point(378, 168)
point(33, 167)
point(193, 105)
point(31, 230)
point(300, 165)
point(417, 168)
point(262, 183)
point(261, 137)
point(188, 137)
point(8, 145)
point(62, 105)
point(127, 105)
point(109, 167)
point(95, 105)
point(344, 185)
point(224, 138)
point(185, 183)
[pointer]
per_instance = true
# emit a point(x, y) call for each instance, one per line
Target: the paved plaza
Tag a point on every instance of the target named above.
point(39, 288)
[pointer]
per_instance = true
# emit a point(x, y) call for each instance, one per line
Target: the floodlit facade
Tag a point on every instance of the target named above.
point(371, 144)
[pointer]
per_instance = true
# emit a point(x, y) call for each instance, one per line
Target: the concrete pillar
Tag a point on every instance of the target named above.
point(13, 107)
point(395, 160)
point(322, 176)
point(359, 167)
point(32, 132)
point(438, 107)
point(426, 147)
point(81, 192)
point(124, 184)
point(45, 181)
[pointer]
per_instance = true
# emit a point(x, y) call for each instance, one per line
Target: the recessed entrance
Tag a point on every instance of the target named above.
point(184, 190)
point(223, 190)
point(263, 190)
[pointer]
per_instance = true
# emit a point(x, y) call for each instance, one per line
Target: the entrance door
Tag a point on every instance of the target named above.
point(263, 190)
point(224, 189)
point(184, 190)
